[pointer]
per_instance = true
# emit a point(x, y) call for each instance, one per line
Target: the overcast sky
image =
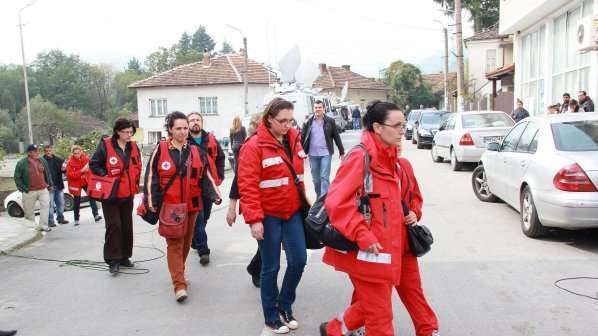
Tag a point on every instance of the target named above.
point(368, 35)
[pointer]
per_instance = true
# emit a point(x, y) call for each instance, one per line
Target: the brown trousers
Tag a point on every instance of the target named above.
point(119, 230)
point(177, 252)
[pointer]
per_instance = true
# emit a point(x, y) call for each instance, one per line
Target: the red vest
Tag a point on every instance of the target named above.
point(177, 191)
point(129, 181)
point(212, 154)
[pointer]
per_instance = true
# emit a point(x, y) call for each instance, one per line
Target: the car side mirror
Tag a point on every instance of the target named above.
point(417, 123)
point(493, 146)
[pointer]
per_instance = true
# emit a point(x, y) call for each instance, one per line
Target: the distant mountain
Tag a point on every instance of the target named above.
point(435, 63)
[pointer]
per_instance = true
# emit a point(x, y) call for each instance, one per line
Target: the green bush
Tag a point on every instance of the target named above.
point(89, 142)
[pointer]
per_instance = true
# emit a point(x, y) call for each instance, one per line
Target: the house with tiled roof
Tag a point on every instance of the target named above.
point(361, 89)
point(213, 87)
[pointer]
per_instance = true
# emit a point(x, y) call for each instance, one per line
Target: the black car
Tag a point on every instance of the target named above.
point(410, 123)
point(427, 125)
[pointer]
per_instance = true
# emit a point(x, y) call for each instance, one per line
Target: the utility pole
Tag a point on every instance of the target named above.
point(25, 75)
point(245, 83)
point(460, 65)
point(446, 93)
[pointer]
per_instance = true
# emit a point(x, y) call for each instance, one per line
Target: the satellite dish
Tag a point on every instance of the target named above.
point(307, 73)
point(289, 64)
point(344, 92)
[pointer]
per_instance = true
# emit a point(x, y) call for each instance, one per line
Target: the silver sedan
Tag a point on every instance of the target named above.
point(464, 136)
point(547, 169)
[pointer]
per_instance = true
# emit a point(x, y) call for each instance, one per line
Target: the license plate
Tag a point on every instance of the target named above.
point(488, 139)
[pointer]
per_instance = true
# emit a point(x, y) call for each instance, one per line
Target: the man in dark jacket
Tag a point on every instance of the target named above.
point(585, 102)
point(208, 146)
point(316, 136)
point(356, 117)
point(57, 166)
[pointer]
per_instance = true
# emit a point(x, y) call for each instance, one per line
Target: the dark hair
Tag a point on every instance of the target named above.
point(573, 102)
point(318, 102)
point(47, 146)
point(584, 93)
point(566, 94)
point(376, 112)
point(274, 107)
point(171, 117)
point(122, 123)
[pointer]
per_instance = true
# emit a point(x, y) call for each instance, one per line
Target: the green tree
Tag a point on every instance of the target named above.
point(185, 42)
point(12, 90)
point(200, 40)
point(89, 142)
point(407, 85)
point(124, 97)
point(161, 60)
point(134, 65)
point(99, 80)
point(49, 122)
point(227, 48)
point(484, 13)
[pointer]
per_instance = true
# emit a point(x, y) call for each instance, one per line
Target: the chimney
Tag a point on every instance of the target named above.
point(346, 67)
point(206, 58)
point(323, 68)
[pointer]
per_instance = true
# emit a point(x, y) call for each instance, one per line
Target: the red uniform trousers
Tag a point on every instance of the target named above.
point(177, 252)
point(373, 306)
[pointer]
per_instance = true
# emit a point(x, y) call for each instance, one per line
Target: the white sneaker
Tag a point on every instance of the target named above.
point(435, 333)
point(181, 295)
point(76, 223)
point(359, 332)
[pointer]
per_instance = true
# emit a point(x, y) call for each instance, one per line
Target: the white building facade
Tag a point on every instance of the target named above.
point(546, 51)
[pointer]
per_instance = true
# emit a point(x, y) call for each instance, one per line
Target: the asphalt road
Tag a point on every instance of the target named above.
point(482, 277)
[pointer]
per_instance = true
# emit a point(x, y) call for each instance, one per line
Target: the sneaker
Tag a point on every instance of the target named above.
point(180, 295)
point(126, 263)
point(323, 327)
point(287, 318)
point(435, 333)
point(97, 218)
point(359, 332)
point(277, 327)
point(51, 225)
point(46, 229)
point(76, 222)
point(114, 267)
point(64, 221)
point(204, 259)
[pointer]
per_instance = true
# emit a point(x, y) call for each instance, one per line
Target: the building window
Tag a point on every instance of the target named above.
point(532, 71)
point(208, 105)
point(490, 60)
point(154, 137)
point(158, 107)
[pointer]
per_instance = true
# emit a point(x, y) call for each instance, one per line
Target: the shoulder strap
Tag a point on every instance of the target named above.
point(296, 179)
point(178, 171)
point(366, 172)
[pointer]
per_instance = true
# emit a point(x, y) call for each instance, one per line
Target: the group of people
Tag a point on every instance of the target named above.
point(583, 104)
point(269, 188)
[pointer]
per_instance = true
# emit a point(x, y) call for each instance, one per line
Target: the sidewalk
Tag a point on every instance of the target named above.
point(16, 233)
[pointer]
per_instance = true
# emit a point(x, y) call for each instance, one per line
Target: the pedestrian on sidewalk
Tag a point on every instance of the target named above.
point(171, 158)
point(33, 180)
point(77, 175)
point(270, 204)
point(376, 267)
point(237, 136)
point(208, 146)
point(57, 167)
point(356, 117)
point(317, 136)
point(255, 265)
point(519, 113)
point(585, 102)
point(119, 156)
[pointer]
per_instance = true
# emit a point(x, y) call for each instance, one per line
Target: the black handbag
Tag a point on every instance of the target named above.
point(318, 224)
point(419, 236)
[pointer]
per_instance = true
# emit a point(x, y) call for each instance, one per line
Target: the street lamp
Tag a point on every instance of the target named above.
point(25, 74)
point(245, 72)
point(446, 95)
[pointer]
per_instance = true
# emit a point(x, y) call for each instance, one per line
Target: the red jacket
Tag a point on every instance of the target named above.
point(410, 188)
point(75, 178)
point(129, 180)
point(265, 182)
point(387, 224)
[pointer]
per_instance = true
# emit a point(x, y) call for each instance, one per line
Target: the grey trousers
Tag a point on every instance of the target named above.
point(29, 199)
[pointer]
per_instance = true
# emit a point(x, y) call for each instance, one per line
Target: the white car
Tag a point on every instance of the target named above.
point(464, 136)
point(547, 169)
point(13, 203)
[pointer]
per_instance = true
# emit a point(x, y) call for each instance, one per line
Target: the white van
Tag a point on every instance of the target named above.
point(304, 103)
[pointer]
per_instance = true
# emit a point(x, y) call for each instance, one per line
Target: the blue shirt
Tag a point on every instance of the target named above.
point(197, 140)
point(317, 140)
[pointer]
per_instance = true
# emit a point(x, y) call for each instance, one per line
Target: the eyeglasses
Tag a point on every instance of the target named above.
point(128, 132)
point(283, 122)
point(398, 126)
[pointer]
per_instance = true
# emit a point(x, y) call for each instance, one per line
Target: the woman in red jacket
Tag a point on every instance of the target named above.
point(376, 267)
point(77, 175)
point(270, 204)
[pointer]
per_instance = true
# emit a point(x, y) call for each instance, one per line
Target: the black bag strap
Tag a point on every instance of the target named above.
point(296, 180)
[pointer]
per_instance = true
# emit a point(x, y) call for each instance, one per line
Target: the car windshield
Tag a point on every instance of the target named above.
point(413, 116)
point(486, 120)
point(576, 136)
point(434, 118)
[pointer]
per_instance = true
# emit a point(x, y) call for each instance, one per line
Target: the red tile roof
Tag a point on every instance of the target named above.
point(226, 69)
point(335, 77)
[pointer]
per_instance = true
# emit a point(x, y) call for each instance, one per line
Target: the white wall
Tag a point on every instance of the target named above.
point(477, 64)
point(231, 100)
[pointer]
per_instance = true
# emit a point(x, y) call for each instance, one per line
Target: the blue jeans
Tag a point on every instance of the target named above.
point(356, 123)
point(77, 206)
point(56, 203)
point(290, 233)
point(200, 237)
point(320, 173)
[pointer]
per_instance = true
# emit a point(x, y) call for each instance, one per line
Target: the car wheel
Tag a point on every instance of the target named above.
point(407, 137)
point(479, 182)
point(530, 223)
point(14, 210)
point(434, 152)
point(413, 139)
point(69, 202)
point(420, 145)
point(455, 164)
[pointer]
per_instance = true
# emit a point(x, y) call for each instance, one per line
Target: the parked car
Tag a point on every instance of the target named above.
point(427, 125)
point(345, 113)
point(13, 203)
point(410, 123)
point(464, 136)
point(547, 169)
point(338, 120)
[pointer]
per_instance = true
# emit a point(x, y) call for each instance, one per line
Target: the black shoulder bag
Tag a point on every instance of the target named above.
point(419, 236)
